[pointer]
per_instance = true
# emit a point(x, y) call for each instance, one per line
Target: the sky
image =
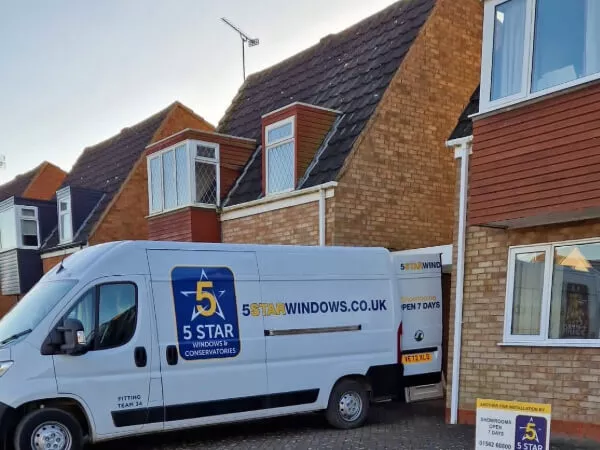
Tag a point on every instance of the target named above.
point(75, 72)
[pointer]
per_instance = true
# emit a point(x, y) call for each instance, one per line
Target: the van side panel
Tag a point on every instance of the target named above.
point(326, 315)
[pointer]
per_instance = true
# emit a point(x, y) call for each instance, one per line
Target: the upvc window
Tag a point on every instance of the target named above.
point(280, 156)
point(29, 232)
point(183, 175)
point(65, 217)
point(553, 294)
point(534, 47)
point(8, 229)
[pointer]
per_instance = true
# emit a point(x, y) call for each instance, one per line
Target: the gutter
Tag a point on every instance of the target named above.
point(462, 150)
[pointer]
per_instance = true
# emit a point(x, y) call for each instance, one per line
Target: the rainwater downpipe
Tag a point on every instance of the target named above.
point(462, 152)
point(322, 213)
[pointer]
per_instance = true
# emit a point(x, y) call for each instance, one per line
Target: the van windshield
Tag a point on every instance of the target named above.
point(32, 308)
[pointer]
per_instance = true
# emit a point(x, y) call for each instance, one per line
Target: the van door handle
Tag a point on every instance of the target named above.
point(171, 355)
point(140, 357)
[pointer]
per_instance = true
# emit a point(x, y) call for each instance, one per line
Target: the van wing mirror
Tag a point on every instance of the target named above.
point(74, 341)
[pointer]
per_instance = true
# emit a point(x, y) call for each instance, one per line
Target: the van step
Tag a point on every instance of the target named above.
point(424, 392)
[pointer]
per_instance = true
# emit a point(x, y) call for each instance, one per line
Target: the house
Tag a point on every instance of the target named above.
point(527, 265)
point(341, 144)
point(27, 216)
point(103, 197)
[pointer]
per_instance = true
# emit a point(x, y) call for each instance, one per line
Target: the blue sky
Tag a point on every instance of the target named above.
point(74, 72)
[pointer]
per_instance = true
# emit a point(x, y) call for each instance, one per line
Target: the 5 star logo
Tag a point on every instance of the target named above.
point(206, 312)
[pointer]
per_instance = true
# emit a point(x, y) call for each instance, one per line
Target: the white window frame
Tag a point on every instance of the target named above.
point(64, 197)
point(19, 216)
point(271, 144)
point(542, 339)
point(191, 158)
point(487, 105)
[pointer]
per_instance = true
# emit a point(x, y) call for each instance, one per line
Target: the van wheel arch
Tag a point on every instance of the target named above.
point(63, 403)
point(362, 379)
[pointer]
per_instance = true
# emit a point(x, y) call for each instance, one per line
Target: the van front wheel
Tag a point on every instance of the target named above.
point(348, 405)
point(48, 429)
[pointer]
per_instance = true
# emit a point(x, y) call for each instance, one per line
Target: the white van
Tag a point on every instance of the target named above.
point(127, 338)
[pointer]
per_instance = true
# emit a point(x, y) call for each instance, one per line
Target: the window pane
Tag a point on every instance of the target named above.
point(183, 176)
point(509, 47)
point(66, 227)
point(117, 315)
point(566, 43)
point(84, 312)
point(27, 212)
point(155, 193)
point(64, 206)
point(29, 232)
point(282, 132)
point(169, 185)
point(575, 307)
point(280, 165)
point(204, 151)
point(527, 293)
point(206, 183)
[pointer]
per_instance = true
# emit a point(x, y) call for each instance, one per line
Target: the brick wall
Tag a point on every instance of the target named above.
point(567, 378)
point(49, 263)
point(6, 303)
point(296, 225)
point(397, 188)
point(46, 182)
point(125, 218)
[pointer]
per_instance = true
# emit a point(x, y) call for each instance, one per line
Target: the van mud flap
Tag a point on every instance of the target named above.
point(386, 381)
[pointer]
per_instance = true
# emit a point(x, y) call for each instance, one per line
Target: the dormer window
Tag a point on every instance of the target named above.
point(184, 175)
point(65, 216)
point(280, 157)
point(28, 227)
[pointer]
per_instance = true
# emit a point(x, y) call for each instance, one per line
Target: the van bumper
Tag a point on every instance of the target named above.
point(7, 422)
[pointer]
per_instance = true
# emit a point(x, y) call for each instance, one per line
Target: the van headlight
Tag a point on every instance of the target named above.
point(4, 366)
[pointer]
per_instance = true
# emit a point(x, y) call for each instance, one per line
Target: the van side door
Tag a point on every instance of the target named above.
point(212, 356)
point(113, 377)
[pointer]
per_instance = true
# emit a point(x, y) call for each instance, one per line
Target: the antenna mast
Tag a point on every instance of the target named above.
point(245, 39)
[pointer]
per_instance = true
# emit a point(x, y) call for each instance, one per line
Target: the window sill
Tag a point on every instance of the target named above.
point(593, 344)
point(179, 208)
point(537, 97)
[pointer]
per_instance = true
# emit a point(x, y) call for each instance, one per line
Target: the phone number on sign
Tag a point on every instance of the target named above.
point(494, 445)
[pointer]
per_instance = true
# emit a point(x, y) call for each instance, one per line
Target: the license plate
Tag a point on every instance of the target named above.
point(417, 358)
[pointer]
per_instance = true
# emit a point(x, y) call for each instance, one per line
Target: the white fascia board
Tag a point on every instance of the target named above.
point(278, 201)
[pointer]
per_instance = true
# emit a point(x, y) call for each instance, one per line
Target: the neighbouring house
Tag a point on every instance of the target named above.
point(103, 198)
point(527, 240)
point(341, 144)
point(27, 217)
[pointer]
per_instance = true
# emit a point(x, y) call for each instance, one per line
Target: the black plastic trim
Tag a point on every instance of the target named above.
point(213, 408)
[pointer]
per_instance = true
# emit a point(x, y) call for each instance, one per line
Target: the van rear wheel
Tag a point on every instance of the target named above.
point(348, 405)
point(48, 429)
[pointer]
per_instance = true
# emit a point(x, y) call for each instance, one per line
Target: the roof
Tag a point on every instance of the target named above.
point(348, 71)
point(464, 127)
point(18, 185)
point(105, 166)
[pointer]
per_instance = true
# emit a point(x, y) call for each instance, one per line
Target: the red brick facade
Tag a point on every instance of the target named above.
point(45, 183)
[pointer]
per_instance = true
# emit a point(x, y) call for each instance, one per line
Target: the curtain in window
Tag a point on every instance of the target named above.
point(528, 289)
point(592, 37)
point(509, 42)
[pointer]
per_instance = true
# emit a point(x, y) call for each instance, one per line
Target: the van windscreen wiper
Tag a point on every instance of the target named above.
point(16, 336)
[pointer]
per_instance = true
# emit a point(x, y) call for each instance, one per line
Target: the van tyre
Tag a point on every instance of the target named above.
point(348, 405)
point(44, 428)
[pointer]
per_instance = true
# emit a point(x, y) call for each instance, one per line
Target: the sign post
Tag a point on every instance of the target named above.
point(512, 425)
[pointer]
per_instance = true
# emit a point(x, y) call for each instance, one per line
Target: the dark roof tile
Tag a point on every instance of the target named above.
point(18, 185)
point(105, 166)
point(348, 71)
point(464, 128)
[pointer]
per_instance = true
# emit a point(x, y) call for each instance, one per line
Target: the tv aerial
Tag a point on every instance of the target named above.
point(252, 42)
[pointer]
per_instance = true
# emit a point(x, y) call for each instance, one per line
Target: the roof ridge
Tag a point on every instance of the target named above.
point(326, 40)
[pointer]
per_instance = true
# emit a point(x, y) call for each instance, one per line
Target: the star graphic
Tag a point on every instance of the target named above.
point(195, 311)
